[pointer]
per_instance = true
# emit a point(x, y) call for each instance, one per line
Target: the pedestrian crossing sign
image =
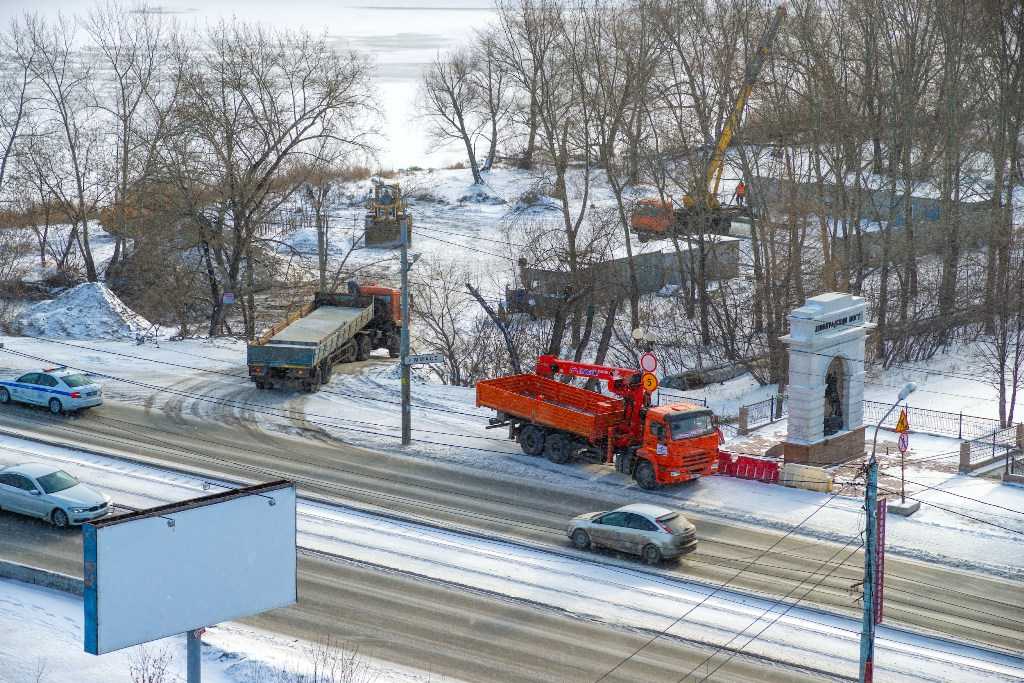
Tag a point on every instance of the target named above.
point(903, 424)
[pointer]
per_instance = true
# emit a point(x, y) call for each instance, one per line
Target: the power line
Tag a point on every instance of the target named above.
point(283, 412)
point(779, 615)
point(718, 588)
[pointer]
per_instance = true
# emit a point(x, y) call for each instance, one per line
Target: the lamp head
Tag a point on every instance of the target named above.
point(907, 390)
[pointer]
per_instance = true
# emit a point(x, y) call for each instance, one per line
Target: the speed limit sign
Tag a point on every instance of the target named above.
point(649, 382)
point(648, 363)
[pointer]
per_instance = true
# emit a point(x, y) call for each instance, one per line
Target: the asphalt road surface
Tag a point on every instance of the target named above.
point(443, 628)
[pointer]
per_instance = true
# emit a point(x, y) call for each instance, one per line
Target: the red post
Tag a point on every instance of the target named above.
point(880, 561)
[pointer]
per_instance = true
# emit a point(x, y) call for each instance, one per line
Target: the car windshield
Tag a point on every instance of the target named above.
point(75, 380)
point(686, 425)
point(57, 481)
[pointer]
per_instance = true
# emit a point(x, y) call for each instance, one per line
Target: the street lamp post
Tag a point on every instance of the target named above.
point(867, 635)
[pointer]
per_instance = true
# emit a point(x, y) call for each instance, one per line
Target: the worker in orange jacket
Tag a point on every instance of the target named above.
point(741, 193)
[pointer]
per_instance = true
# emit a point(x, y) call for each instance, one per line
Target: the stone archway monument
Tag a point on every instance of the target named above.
point(826, 341)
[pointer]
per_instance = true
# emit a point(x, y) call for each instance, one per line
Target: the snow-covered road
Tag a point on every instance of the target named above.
point(579, 584)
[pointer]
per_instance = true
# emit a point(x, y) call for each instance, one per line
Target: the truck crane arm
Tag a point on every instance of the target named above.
point(623, 382)
point(716, 164)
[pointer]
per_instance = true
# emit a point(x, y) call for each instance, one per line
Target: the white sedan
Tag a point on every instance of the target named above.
point(50, 493)
point(59, 389)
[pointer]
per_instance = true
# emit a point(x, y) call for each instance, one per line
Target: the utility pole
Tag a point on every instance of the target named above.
point(404, 351)
point(194, 669)
point(867, 633)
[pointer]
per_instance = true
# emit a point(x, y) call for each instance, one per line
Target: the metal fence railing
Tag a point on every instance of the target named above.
point(1015, 462)
point(765, 412)
point(989, 447)
point(937, 422)
point(669, 396)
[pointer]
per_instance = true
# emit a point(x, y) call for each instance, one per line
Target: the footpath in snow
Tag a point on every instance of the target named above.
point(592, 589)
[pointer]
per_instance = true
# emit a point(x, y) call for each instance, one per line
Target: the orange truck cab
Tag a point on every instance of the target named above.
point(680, 443)
point(652, 218)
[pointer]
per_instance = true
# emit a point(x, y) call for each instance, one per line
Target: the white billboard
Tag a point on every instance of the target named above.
point(178, 567)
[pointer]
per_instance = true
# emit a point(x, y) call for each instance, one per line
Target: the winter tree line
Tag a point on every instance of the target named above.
point(183, 143)
point(859, 101)
point(186, 144)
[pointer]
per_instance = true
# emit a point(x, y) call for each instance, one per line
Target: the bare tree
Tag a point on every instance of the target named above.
point(493, 83)
point(68, 154)
point(253, 104)
point(15, 95)
point(131, 47)
point(452, 100)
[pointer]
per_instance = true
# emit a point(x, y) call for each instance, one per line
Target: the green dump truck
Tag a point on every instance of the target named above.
point(301, 351)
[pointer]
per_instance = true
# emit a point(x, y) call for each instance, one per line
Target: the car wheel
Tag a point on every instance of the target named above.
point(5, 396)
point(531, 440)
point(55, 407)
point(59, 518)
point(557, 449)
point(644, 475)
point(581, 539)
point(651, 554)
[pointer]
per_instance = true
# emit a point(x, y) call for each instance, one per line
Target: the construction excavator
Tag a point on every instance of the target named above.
point(701, 210)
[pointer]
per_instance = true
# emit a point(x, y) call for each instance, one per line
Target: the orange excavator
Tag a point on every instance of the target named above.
point(657, 219)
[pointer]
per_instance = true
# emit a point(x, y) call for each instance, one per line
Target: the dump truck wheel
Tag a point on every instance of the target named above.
point(394, 346)
point(531, 440)
point(644, 475)
point(325, 371)
point(362, 347)
point(558, 449)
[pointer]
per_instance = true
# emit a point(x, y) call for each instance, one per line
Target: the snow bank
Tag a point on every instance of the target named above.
point(88, 311)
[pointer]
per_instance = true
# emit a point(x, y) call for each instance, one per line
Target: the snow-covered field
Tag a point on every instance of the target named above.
point(562, 579)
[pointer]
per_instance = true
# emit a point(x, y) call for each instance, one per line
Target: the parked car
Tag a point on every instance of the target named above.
point(59, 389)
point(652, 532)
point(50, 493)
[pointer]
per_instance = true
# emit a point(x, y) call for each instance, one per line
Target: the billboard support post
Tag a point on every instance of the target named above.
point(195, 669)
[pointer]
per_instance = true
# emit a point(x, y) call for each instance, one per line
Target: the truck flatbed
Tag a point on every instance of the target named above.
point(313, 329)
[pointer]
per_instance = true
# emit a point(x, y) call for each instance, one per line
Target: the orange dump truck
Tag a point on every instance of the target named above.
point(655, 445)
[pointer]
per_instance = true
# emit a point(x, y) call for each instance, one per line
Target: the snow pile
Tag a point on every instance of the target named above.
point(88, 311)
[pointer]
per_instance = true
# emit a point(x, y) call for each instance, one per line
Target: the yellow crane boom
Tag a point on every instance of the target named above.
point(713, 176)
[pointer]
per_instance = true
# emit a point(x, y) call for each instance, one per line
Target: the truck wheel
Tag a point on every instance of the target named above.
point(558, 449)
point(394, 346)
point(644, 475)
point(261, 386)
point(531, 440)
point(325, 371)
point(362, 347)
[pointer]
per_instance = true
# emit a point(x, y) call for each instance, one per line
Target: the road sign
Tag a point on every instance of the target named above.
point(648, 363)
point(649, 382)
point(228, 298)
point(903, 424)
point(904, 442)
point(424, 359)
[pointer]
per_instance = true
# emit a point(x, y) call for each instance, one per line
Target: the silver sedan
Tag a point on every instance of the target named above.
point(652, 532)
point(50, 493)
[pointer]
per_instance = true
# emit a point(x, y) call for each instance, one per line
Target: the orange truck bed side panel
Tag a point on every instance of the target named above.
point(552, 404)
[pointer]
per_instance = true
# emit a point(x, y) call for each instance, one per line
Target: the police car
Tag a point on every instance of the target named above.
point(59, 389)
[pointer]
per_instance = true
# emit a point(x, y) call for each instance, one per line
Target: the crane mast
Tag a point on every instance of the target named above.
point(713, 174)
